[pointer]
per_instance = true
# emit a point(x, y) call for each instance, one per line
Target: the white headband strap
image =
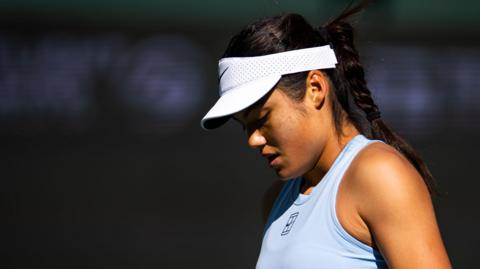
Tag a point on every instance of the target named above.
point(236, 71)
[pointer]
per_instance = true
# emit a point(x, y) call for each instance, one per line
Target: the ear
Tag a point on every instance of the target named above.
point(317, 88)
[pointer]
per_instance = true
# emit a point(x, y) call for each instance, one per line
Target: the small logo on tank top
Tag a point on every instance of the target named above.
point(289, 224)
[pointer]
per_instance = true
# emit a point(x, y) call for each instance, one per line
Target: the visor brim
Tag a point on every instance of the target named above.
point(237, 99)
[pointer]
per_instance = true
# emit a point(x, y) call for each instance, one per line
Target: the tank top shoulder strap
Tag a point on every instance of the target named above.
point(355, 146)
point(352, 149)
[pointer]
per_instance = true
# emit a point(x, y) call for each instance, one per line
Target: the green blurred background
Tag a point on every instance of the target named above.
point(104, 159)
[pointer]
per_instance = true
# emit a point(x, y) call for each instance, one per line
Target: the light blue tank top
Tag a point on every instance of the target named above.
point(303, 232)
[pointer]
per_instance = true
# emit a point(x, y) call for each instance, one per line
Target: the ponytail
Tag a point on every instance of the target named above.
point(350, 84)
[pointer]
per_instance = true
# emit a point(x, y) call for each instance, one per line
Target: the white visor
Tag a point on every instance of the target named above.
point(245, 80)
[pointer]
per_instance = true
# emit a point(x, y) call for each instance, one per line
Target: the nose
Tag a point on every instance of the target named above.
point(256, 139)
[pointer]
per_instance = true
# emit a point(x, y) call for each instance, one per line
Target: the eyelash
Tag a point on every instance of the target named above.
point(263, 120)
point(260, 122)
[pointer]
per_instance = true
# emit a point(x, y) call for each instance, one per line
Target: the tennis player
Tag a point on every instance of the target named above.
point(352, 193)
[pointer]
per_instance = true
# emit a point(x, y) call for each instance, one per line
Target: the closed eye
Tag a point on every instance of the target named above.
point(261, 122)
point(256, 124)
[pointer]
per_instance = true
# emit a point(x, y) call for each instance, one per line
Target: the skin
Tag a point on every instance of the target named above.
point(382, 200)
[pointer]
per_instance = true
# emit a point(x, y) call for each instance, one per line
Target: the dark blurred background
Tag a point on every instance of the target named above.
point(104, 162)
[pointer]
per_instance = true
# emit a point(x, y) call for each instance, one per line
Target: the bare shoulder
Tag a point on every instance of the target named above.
point(385, 186)
point(392, 199)
point(380, 171)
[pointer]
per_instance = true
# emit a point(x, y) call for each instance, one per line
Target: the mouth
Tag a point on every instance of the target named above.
point(272, 159)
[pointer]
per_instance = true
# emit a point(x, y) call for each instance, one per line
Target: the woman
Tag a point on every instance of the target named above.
point(352, 193)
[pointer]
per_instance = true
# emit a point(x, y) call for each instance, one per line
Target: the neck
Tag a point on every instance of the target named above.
point(332, 149)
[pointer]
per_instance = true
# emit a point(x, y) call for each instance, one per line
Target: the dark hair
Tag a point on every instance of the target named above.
point(351, 99)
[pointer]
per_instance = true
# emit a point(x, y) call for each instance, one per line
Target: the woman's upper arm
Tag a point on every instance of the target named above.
point(394, 202)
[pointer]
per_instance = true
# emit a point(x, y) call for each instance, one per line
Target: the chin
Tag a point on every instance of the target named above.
point(285, 175)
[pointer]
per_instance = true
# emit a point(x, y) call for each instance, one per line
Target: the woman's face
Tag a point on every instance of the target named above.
point(285, 132)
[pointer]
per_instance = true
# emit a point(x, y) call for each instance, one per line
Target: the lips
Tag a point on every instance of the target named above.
point(271, 158)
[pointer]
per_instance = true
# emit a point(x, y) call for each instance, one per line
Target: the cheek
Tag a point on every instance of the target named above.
point(295, 133)
point(287, 132)
point(297, 143)
point(301, 150)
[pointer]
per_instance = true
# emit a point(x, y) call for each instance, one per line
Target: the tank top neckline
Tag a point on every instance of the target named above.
point(303, 198)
